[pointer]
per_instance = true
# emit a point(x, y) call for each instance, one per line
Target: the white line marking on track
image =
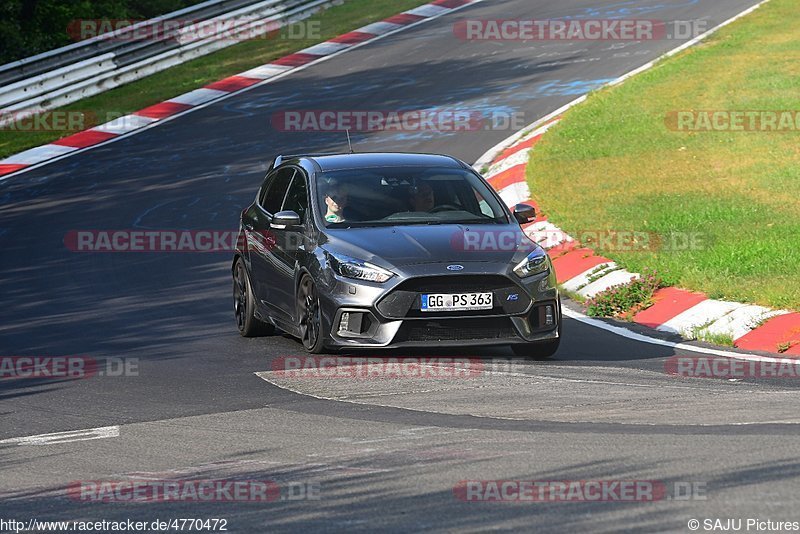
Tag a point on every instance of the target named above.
point(71, 436)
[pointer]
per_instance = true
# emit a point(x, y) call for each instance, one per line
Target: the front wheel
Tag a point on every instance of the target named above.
point(244, 305)
point(310, 316)
point(537, 351)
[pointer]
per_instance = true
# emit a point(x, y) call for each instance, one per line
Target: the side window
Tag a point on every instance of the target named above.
point(262, 194)
point(275, 190)
point(297, 198)
point(484, 206)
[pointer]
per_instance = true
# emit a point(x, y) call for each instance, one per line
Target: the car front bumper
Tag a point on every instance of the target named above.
point(369, 315)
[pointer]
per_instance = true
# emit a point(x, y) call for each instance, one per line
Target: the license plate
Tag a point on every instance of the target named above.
point(456, 302)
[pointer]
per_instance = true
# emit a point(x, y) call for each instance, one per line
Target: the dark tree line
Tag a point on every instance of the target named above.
point(29, 27)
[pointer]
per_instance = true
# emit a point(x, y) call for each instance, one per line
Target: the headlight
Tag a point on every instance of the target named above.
point(536, 262)
point(357, 269)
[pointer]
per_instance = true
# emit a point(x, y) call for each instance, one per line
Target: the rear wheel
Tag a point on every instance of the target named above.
point(310, 314)
point(244, 305)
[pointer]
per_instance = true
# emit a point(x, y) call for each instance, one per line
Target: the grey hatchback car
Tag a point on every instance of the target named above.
point(387, 250)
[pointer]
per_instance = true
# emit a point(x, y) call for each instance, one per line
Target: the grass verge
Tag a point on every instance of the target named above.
point(721, 207)
point(180, 79)
point(625, 300)
point(723, 340)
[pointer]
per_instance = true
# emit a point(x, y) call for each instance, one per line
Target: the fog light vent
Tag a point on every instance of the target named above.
point(344, 323)
point(353, 323)
point(549, 319)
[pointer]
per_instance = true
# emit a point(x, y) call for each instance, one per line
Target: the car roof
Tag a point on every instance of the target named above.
point(332, 162)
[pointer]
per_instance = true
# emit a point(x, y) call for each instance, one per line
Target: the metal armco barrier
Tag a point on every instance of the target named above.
point(58, 77)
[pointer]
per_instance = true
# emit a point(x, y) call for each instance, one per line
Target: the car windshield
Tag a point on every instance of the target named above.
point(405, 195)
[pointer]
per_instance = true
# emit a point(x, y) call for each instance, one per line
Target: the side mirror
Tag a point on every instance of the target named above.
point(524, 213)
point(285, 220)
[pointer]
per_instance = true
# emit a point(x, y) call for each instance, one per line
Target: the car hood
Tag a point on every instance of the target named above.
point(390, 246)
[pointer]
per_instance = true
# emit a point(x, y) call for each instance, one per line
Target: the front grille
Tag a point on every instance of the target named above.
point(455, 283)
point(456, 330)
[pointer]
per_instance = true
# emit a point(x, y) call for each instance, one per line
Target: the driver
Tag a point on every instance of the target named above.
point(336, 201)
point(421, 197)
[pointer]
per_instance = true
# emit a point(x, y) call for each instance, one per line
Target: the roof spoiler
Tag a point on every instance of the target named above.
point(280, 158)
point(276, 162)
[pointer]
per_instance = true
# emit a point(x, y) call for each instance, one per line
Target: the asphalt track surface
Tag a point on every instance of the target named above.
point(386, 454)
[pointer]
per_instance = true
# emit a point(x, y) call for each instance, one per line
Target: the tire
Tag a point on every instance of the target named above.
point(541, 350)
point(312, 332)
point(537, 351)
point(244, 305)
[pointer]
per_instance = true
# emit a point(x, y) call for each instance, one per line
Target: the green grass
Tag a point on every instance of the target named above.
point(572, 295)
point(613, 164)
point(723, 340)
point(625, 300)
point(177, 80)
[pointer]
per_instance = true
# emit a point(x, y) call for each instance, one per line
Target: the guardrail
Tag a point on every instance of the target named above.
point(89, 67)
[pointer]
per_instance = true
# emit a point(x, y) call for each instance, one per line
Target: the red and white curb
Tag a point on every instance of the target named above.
point(213, 92)
point(581, 271)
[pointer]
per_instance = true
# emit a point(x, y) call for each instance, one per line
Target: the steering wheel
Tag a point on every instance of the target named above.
point(445, 207)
